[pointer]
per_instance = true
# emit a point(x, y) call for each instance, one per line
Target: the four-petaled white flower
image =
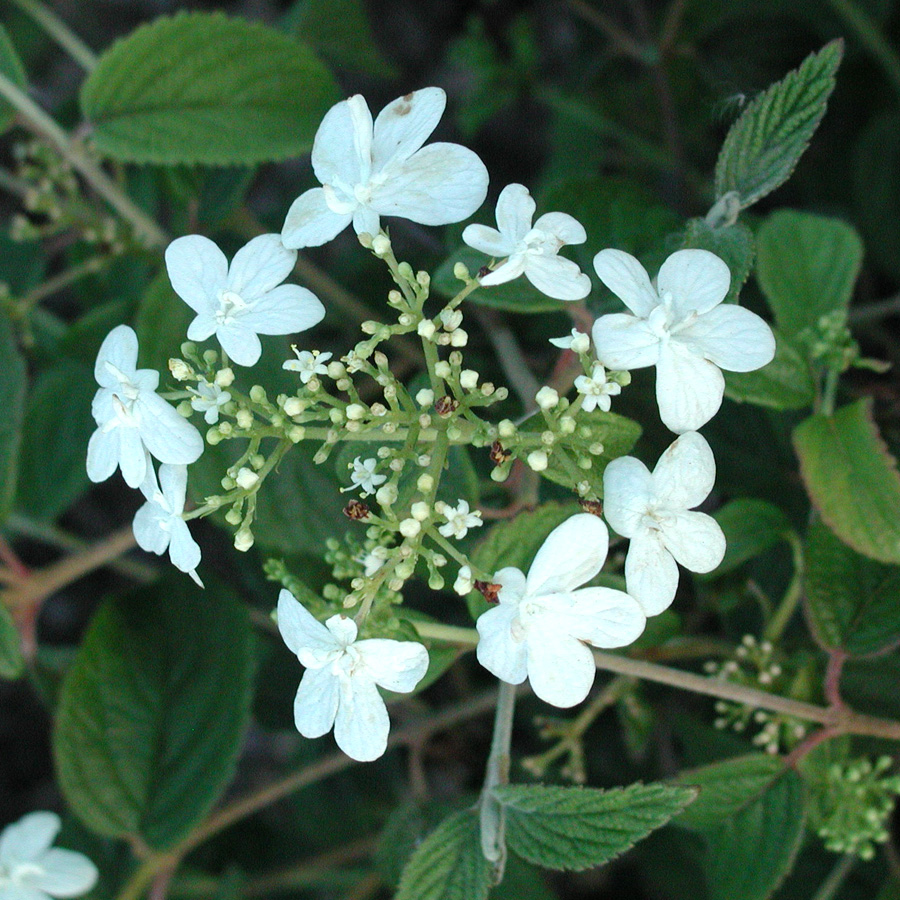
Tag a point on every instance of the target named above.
point(531, 250)
point(459, 520)
point(543, 621)
point(307, 364)
point(339, 688)
point(208, 398)
point(371, 170)
point(131, 418)
point(682, 327)
point(577, 342)
point(158, 525)
point(363, 475)
point(596, 389)
point(653, 510)
point(237, 303)
point(32, 869)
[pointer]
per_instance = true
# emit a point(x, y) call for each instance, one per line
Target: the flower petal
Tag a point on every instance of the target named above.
point(512, 268)
point(650, 572)
point(342, 148)
point(731, 337)
point(102, 455)
point(440, 184)
point(285, 310)
point(28, 838)
point(316, 703)
point(184, 551)
point(697, 280)
point(557, 277)
point(198, 270)
point(488, 240)
point(120, 349)
point(515, 210)
point(310, 222)
point(627, 493)
point(132, 455)
point(394, 665)
point(689, 389)
point(259, 266)
point(173, 482)
point(366, 220)
point(695, 540)
point(66, 874)
point(572, 554)
point(148, 530)
point(562, 226)
point(361, 727)
point(603, 617)
point(404, 125)
point(240, 342)
point(512, 585)
point(343, 628)
point(627, 279)
point(625, 342)
point(20, 892)
point(497, 651)
point(561, 669)
point(300, 630)
point(168, 435)
point(202, 326)
point(685, 473)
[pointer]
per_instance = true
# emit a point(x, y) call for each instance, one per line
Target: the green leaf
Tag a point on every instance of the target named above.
point(448, 864)
point(161, 325)
point(732, 243)
point(853, 602)
point(12, 663)
point(205, 88)
point(10, 67)
point(852, 479)
point(751, 527)
point(807, 267)
point(13, 381)
point(785, 383)
point(764, 144)
point(153, 712)
point(575, 828)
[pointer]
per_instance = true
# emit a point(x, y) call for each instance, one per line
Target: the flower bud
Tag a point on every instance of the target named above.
point(244, 418)
point(506, 428)
point(459, 338)
point(246, 478)
point(425, 397)
point(426, 329)
point(420, 511)
point(537, 460)
point(225, 377)
point(381, 245)
point(547, 398)
point(336, 370)
point(180, 370)
point(468, 379)
point(243, 540)
point(461, 272)
point(409, 528)
point(355, 411)
point(463, 584)
point(425, 483)
point(442, 369)
point(386, 495)
point(293, 406)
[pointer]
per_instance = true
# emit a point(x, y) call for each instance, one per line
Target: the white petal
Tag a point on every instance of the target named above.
point(310, 222)
point(173, 481)
point(512, 585)
point(404, 125)
point(150, 485)
point(603, 617)
point(572, 554)
point(198, 270)
point(627, 279)
point(627, 493)
point(133, 455)
point(731, 337)
point(284, 310)
point(342, 149)
point(695, 540)
point(66, 874)
point(440, 184)
point(557, 277)
point(343, 628)
point(202, 326)
point(28, 838)
point(366, 220)
point(488, 240)
point(394, 665)
point(102, 454)
point(120, 348)
point(20, 892)
point(497, 651)
point(625, 342)
point(562, 226)
point(689, 389)
point(316, 703)
point(300, 630)
point(240, 342)
point(259, 266)
point(362, 725)
point(147, 528)
point(168, 435)
point(685, 473)
point(183, 549)
point(561, 669)
point(697, 279)
point(650, 572)
point(515, 210)
point(509, 270)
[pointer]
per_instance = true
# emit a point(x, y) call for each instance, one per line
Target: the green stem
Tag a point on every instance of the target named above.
point(60, 32)
point(793, 595)
point(870, 36)
point(137, 886)
point(63, 280)
point(491, 813)
point(836, 878)
point(829, 392)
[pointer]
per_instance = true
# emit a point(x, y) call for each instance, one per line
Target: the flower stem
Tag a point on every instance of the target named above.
point(60, 32)
point(491, 813)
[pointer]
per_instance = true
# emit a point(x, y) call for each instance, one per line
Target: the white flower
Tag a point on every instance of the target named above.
point(531, 250)
point(682, 328)
point(340, 685)
point(373, 560)
point(363, 475)
point(652, 510)
point(131, 418)
point(459, 520)
point(158, 525)
point(369, 171)
point(577, 342)
point(541, 625)
point(307, 364)
point(237, 303)
point(32, 869)
point(596, 389)
point(208, 398)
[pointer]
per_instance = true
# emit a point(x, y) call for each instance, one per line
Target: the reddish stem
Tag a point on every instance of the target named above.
point(832, 682)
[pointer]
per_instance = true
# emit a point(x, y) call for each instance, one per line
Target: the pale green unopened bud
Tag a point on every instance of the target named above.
point(244, 418)
point(547, 398)
point(425, 397)
point(442, 369)
point(243, 540)
point(537, 460)
point(468, 379)
point(506, 428)
point(409, 528)
point(225, 377)
point(425, 483)
point(246, 478)
point(420, 511)
point(355, 411)
point(461, 272)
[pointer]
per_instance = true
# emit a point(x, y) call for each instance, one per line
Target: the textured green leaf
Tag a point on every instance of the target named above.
point(751, 527)
point(807, 267)
point(13, 383)
point(732, 243)
point(12, 663)
point(852, 479)
point(764, 144)
point(576, 828)
point(205, 88)
point(11, 68)
point(785, 383)
point(152, 714)
point(853, 602)
point(448, 864)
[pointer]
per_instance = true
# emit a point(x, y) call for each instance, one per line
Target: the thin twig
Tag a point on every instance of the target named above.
point(54, 26)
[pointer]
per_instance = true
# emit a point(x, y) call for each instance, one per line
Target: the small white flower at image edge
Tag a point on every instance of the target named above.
point(307, 364)
point(577, 342)
point(364, 476)
point(459, 520)
point(32, 869)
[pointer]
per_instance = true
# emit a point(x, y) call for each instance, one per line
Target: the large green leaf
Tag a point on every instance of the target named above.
point(11, 660)
point(807, 267)
point(853, 602)
point(205, 88)
point(785, 383)
point(152, 714)
point(764, 144)
point(11, 68)
point(575, 828)
point(751, 527)
point(12, 401)
point(852, 479)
